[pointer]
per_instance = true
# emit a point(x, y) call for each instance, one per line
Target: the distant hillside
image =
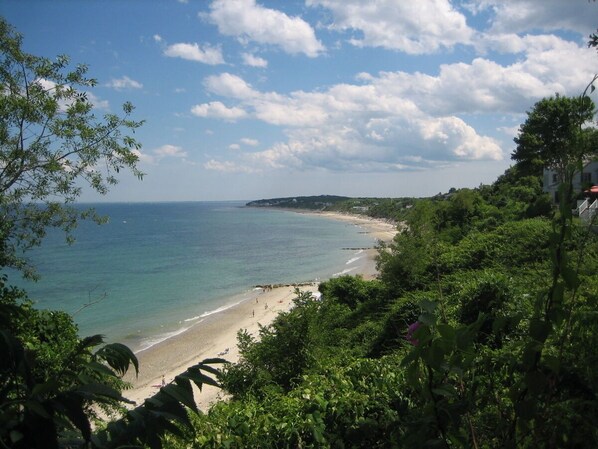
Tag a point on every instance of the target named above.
point(321, 202)
point(387, 208)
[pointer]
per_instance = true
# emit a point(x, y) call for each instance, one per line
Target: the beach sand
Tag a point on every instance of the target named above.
point(217, 333)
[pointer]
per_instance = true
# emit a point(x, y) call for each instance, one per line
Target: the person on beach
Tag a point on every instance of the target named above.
point(163, 381)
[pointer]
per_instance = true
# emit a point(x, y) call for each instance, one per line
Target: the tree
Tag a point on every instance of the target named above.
point(51, 143)
point(553, 135)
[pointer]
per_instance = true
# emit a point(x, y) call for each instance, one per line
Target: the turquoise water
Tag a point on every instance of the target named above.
point(157, 269)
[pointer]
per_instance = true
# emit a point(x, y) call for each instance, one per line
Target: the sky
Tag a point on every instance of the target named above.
point(251, 99)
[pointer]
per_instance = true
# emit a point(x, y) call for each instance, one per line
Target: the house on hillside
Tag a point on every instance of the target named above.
point(588, 177)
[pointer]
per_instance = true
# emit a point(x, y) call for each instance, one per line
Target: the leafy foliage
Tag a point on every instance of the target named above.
point(49, 378)
point(480, 332)
point(552, 135)
point(50, 142)
point(500, 301)
point(52, 383)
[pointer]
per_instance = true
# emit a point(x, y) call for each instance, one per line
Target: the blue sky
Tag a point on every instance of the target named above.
point(248, 99)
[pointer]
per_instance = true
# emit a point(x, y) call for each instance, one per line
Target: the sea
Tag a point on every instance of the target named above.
point(156, 269)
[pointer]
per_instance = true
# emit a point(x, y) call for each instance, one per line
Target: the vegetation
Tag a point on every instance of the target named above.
point(320, 202)
point(393, 209)
point(52, 382)
point(477, 334)
point(50, 143)
point(554, 135)
point(480, 331)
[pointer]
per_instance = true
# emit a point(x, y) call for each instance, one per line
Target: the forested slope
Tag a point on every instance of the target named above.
point(480, 332)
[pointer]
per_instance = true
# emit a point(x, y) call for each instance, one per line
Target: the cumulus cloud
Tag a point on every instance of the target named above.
point(157, 154)
point(143, 157)
point(97, 102)
point(516, 16)
point(251, 22)
point(254, 61)
point(229, 85)
point(194, 52)
point(399, 120)
point(548, 65)
point(354, 127)
point(157, 38)
point(234, 147)
point(249, 142)
point(170, 151)
point(216, 109)
point(124, 83)
point(414, 27)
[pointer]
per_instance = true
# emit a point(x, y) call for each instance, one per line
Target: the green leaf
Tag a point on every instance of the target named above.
point(570, 277)
point(74, 409)
point(119, 357)
point(47, 387)
point(539, 329)
point(447, 331)
point(427, 305)
point(37, 408)
point(96, 391)
point(15, 436)
point(181, 394)
point(427, 318)
point(200, 379)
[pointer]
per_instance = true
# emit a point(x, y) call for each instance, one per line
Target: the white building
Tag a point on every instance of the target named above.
point(588, 177)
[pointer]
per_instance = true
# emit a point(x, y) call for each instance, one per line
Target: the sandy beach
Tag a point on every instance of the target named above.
point(216, 336)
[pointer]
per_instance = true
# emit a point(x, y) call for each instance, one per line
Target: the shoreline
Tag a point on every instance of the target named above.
point(216, 334)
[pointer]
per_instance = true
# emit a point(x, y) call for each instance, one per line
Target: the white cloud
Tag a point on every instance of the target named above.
point(157, 38)
point(411, 120)
point(356, 128)
point(249, 21)
point(249, 142)
point(97, 102)
point(254, 61)
point(515, 16)
point(143, 157)
point(124, 83)
point(234, 147)
point(547, 65)
point(216, 109)
point(170, 151)
point(193, 52)
point(414, 27)
point(229, 85)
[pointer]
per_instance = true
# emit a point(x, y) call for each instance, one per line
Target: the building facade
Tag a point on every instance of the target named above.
point(588, 177)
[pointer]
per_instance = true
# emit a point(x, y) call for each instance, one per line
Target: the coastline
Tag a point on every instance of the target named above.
point(217, 333)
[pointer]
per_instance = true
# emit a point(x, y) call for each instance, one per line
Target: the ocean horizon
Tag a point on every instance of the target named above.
point(156, 269)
